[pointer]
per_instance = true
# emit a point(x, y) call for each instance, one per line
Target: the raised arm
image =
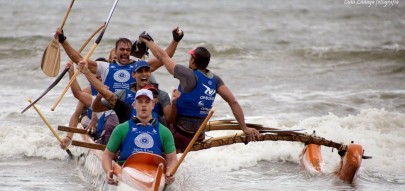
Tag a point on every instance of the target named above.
point(178, 34)
point(73, 54)
point(100, 87)
point(158, 52)
point(82, 96)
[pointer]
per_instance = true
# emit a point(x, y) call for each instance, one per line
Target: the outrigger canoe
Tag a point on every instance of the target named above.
point(310, 157)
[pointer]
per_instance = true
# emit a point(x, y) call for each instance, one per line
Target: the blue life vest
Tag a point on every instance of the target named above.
point(199, 101)
point(119, 77)
point(129, 97)
point(100, 124)
point(101, 120)
point(93, 93)
point(141, 138)
point(158, 108)
point(89, 113)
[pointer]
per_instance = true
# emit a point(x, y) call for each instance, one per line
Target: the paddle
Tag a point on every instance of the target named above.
point(88, 145)
point(173, 171)
point(50, 127)
point(100, 36)
point(233, 125)
point(50, 62)
point(64, 71)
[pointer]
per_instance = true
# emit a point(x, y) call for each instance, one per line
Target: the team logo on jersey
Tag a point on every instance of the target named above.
point(144, 141)
point(130, 96)
point(201, 104)
point(208, 91)
point(121, 76)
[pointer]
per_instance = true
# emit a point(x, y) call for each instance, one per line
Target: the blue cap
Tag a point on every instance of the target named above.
point(139, 64)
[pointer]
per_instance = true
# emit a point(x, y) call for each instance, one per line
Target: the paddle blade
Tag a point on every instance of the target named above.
point(50, 63)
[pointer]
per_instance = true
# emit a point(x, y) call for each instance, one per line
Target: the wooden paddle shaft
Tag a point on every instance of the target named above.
point(46, 122)
point(91, 37)
point(87, 55)
point(72, 129)
point(49, 126)
point(190, 145)
point(65, 90)
point(232, 125)
point(64, 71)
point(66, 14)
point(73, 77)
point(91, 51)
point(88, 145)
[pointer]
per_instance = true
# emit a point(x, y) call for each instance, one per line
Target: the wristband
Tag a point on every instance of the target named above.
point(61, 37)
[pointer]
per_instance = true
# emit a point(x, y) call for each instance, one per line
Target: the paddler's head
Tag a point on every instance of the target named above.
point(144, 103)
point(123, 50)
point(141, 73)
point(199, 58)
point(112, 56)
point(154, 88)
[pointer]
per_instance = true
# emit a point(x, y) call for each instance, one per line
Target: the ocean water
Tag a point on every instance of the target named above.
point(330, 66)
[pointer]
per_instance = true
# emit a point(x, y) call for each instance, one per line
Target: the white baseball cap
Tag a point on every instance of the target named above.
point(144, 92)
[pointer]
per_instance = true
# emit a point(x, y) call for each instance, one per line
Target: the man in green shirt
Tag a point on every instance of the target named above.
point(140, 134)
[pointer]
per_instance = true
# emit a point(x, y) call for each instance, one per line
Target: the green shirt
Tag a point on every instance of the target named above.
point(120, 132)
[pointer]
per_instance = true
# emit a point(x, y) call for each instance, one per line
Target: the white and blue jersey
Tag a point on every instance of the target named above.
point(119, 77)
point(141, 138)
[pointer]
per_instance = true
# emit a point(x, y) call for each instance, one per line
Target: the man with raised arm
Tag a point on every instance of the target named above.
point(117, 74)
point(198, 87)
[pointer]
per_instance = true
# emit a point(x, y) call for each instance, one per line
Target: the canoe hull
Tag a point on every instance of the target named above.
point(351, 158)
point(143, 171)
point(90, 166)
point(311, 158)
point(350, 163)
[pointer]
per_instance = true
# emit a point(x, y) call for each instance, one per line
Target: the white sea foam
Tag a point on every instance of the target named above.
point(378, 131)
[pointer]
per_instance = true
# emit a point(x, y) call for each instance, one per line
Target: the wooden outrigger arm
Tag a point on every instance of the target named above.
point(241, 138)
point(270, 135)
